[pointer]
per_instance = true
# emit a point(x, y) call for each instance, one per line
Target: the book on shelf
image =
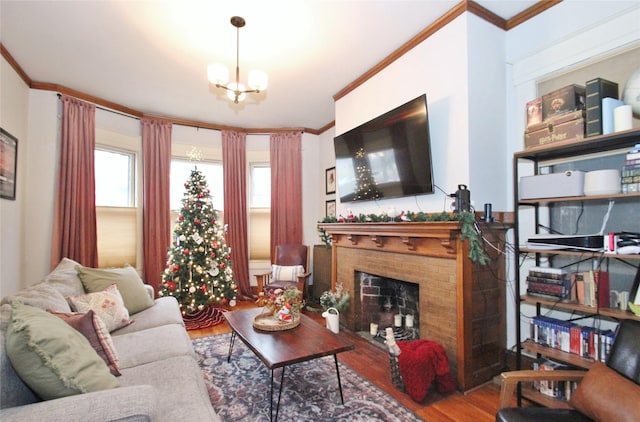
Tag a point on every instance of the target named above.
point(560, 390)
point(570, 337)
point(596, 90)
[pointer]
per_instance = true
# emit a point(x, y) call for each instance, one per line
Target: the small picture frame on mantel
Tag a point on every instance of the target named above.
point(330, 180)
point(330, 208)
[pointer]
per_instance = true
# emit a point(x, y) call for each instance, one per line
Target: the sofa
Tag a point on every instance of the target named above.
point(604, 393)
point(135, 367)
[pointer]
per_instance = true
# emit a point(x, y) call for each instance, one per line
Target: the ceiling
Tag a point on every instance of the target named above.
point(152, 56)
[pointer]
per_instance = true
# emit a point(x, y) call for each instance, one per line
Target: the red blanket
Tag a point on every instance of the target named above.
point(421, 363)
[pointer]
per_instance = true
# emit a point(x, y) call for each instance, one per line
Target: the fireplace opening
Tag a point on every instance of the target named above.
point(387, 302)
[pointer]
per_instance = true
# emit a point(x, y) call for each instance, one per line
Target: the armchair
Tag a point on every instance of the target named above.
point(605, 392)
point(282, 275)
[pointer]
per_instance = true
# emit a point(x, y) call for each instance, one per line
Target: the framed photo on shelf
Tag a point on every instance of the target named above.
point(8, 165)
point(330, 180)
point(330, 208)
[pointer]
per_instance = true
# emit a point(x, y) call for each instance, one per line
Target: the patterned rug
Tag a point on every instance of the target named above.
point(208, 317)
point(239, 390)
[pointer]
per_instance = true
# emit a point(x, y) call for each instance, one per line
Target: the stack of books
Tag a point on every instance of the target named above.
point(560, 390)
point(550, 283)
point(631, 171)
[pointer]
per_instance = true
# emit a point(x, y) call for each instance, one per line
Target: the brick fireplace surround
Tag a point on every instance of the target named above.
point(461, 304)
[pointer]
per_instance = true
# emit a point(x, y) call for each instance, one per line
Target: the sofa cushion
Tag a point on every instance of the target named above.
point(107, 304)
point(129, 284)
point(286, 273)
point(152, 344)
point(41, 295)
point(14, 391)
point(92, 327)
point(51, 357)
point(65, 278)
point(605, 395)
point(165, 311)
point(180, 385)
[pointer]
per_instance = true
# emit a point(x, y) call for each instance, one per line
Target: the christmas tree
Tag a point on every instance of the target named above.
point(199, 269)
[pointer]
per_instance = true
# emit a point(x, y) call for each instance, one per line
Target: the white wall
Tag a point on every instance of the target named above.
point(14, 97)
point(461, 70)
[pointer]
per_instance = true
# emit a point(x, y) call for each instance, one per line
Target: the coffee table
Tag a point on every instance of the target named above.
point(278, 349)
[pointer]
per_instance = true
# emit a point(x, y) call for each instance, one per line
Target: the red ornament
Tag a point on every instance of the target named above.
point(228, 257)
point(213, 254)
point(196, 221)
point(215, 244)
point(222, 265)
point(171, 285)
point(203, 288)
point(200, 195)
point(186, 184)
point(224, 300)
point(181, 218)
point(213, 220)
point(176, 267)
point(187, 252)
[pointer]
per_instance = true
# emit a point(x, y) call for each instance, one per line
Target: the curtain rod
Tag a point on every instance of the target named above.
point(107, 109)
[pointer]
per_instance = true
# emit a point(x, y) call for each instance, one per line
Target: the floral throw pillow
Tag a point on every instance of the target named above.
point(107, 304)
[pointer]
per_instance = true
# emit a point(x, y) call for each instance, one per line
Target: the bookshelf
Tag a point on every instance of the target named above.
point(541, 156)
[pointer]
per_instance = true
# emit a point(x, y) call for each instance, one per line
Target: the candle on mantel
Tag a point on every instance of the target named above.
point(408, 321)
point(373, 329)
point(397, 320)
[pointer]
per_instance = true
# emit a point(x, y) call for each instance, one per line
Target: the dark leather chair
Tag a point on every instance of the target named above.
point(624, 358)
point(287, 255)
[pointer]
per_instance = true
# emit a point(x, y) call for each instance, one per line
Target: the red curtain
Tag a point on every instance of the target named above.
point(286, 189)
point(74, 220)
point(156, 217)
point(234, 161)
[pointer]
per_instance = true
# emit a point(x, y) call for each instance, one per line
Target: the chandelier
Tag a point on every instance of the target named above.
point(218, 74)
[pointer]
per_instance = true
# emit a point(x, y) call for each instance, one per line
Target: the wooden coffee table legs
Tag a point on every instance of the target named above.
point(335, 359)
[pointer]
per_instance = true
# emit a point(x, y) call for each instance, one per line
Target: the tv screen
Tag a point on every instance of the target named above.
point(387, 157)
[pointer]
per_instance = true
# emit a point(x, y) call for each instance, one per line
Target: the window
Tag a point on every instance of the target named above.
point(115, 178)
point(116, 212)
point(260, 212)
point(180, 173)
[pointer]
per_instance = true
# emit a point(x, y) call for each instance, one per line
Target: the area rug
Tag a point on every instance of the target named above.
point(239, 390)
point(208, 317)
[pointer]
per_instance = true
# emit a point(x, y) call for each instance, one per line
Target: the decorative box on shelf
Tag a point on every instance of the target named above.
point(564, 127)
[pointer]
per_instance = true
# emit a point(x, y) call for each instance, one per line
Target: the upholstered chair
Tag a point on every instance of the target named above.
point(290, 268)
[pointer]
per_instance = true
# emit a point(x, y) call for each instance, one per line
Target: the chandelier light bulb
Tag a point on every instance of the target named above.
point(258, 80)
point(218, 74)
point(236, 92)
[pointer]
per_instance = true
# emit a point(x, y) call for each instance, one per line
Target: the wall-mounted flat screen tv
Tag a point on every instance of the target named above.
point(387, 157)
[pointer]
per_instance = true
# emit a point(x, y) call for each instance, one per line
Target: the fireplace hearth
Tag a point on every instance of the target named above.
point(387, 302)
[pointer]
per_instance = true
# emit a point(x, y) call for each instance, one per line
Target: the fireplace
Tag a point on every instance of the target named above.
point(387, 302)
point(460, 304)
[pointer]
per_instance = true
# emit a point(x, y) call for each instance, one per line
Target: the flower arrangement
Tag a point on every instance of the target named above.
point(281, 303)
point(338, 299)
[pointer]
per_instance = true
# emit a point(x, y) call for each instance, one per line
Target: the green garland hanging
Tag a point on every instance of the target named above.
point(467, 229)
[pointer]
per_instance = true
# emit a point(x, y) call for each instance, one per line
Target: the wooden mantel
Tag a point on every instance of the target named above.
point(461, 304)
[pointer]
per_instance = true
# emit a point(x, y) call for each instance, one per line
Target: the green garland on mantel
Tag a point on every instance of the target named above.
point(467, 229)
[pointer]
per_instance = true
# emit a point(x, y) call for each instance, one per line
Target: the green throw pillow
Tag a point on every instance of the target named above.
point(128, 281)
point(52, 358)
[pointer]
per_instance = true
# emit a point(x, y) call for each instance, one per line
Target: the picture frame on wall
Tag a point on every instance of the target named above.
point(8, 164)
point(330, 208)
point(330, 180)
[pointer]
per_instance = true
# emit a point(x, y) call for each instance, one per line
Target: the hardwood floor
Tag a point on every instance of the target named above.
point(372, 363)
